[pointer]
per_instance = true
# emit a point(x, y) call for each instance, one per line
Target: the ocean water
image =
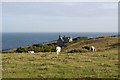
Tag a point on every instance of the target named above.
point(13, 40)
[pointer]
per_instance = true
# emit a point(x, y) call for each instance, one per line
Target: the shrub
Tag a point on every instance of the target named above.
point(38, 45)
point(67, 44)
point(79, 39)
point(77, 51)
point(49, 49)
point(38, 48)
point(31, 48)
point(20, 50)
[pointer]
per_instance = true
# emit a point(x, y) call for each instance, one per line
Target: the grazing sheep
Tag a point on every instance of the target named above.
point(92, 48)
point(30, 51)
point(86, 47)
point(58, 49)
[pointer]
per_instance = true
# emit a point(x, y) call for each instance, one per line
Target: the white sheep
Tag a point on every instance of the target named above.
point(92, 48)
point(58, 49)
point(31, 52)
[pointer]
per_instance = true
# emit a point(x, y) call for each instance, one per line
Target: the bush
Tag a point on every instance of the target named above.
point(79, 39)
point(77, 51)
point(38, 48)
point(21, 50)
point(49, 48)
point(31, 48)
point(67, 44)
point(38, 45)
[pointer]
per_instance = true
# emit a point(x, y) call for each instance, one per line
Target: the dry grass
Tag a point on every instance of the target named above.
point(50, 65)
point(100, 64)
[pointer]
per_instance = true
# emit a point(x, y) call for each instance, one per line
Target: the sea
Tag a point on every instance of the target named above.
point(13, 40)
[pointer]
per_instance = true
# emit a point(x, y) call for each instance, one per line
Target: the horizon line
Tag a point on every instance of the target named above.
point(59, 32)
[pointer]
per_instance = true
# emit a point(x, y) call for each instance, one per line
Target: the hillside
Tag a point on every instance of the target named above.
point(14, 49)
point(100, 64)
point(100, 43)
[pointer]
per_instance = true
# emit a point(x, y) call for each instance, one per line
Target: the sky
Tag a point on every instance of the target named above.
point(59, 16)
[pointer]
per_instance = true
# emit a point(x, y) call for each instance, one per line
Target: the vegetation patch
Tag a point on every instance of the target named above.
point(75, 40)
point(78, 51)
point(79, 39)
point(37, 48)
point(42, 68)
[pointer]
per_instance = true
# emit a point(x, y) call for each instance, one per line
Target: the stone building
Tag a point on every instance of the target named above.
point(64, 39)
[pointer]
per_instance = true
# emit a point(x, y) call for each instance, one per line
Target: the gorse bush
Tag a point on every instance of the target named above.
point(38, 48)
point(79, 39)
point(77, 51)
point(67, 44)
point(20, 49)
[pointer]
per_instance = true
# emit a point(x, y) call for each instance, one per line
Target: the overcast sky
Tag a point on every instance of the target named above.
point(60, 17)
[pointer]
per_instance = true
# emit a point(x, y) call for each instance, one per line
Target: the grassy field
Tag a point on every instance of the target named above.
point(100, 64)
point(67, 65)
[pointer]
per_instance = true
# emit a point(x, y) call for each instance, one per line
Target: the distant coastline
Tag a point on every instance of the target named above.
point(13, 40)
point(52, 42)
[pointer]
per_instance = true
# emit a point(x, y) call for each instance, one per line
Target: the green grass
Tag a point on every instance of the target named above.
point(68, 65)
point(100, 44)
point(100, 64)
